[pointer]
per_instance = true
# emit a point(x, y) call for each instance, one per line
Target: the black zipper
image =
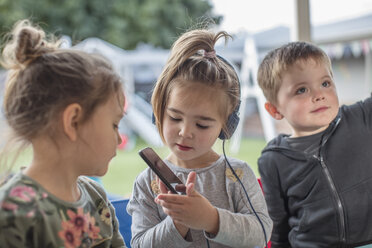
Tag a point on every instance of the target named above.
point(340, 208)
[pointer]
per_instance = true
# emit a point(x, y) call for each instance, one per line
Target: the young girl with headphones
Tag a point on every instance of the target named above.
point(195, 101)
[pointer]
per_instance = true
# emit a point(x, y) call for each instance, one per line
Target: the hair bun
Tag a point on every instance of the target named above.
point(26, 43)
point(29, 44)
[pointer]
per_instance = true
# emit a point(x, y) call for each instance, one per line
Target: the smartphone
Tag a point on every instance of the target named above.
point(165, 174)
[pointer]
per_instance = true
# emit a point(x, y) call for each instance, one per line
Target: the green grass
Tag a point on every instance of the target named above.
point(128, 164)
point(125, 167)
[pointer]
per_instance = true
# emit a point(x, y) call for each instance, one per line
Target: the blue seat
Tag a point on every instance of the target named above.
point(125, 220)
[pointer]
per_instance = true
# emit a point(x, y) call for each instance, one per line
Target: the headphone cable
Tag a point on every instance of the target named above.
point(245, 191)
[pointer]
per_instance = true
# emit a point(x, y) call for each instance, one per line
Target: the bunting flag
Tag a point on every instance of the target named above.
point(348, 50)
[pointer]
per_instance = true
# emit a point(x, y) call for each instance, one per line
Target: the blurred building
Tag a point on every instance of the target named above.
point(348, 43)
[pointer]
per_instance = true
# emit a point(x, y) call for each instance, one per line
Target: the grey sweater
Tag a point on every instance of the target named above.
point(239, 227)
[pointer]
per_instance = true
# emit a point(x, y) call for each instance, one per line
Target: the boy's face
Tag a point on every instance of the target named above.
point(307, 98)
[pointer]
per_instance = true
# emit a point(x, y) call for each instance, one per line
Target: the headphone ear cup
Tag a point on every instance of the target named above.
point(233, 119)
point(231, 125)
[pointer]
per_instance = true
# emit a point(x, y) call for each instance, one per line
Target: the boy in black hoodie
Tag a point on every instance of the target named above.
point(317, 180)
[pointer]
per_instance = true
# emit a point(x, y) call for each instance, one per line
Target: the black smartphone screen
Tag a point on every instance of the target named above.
point(165, 174)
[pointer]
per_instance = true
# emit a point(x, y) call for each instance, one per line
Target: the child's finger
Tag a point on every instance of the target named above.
point(162, 187)
point(191, 178)
point(190, 189)
point(171, 207)
point(171, 198)
point(180, 188)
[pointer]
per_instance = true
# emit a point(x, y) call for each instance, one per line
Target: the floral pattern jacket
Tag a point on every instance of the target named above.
point(32, 217)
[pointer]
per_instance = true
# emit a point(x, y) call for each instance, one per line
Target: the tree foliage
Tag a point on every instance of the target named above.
point(125, 23)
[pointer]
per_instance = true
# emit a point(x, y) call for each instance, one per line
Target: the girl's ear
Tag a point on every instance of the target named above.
point(273, 111)
point(70, 118)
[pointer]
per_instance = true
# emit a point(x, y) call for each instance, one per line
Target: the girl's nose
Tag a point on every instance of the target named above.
point(119, 139)
point(185, 131)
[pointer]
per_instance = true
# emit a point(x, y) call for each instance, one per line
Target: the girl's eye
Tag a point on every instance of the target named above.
point(116, 126)
point(326, 84)
point(175, 119)
point(300, 91)
point(202, 126)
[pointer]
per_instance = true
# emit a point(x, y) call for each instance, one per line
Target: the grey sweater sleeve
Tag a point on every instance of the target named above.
point(149, 228)
point(241, 228)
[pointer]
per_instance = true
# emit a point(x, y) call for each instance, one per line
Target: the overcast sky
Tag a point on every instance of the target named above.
point(259, 15)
